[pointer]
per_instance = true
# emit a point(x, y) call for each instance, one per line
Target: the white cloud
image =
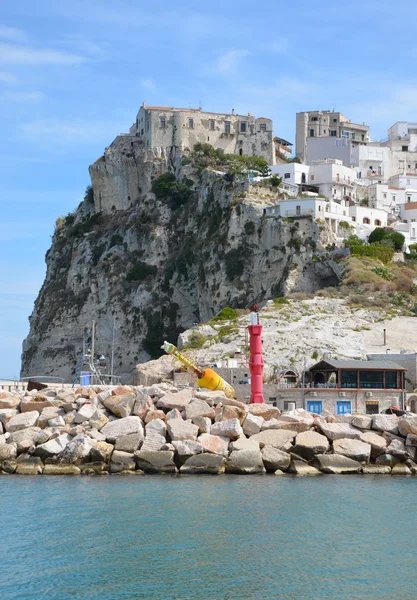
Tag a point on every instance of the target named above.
point(28, 55)
point(7, 77)
point(148, 84)
point(11, 33)
point(228, 62)
point(23, 96)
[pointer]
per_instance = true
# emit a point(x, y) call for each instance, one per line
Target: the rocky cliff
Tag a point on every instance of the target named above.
point(160, 243)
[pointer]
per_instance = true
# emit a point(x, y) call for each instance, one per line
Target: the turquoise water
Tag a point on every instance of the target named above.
point(197, 537)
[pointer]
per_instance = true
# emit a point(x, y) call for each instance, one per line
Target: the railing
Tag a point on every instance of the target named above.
point(299, 213)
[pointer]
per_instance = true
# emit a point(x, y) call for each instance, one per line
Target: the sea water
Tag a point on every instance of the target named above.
point(201, 537)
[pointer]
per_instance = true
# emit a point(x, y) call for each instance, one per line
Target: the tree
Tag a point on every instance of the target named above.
point(398, 240)
point(378, 234)
point(275, 181)
point(353, 240)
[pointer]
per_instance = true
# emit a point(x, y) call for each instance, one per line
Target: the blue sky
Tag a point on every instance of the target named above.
point(73, 74)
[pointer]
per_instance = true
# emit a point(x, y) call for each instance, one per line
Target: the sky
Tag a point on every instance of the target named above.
point(73, 74)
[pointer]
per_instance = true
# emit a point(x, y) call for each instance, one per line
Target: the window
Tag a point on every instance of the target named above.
point(377, 223)
point(408, 198)
point(227, 126)
point(344, 134)
point(324, 131)
point(363, 137)
point(360, 175)
point(415, 165)
point(404, 148)
point(311, 132)
point(379, 171)
point(333, 133)
point(371, 379)
point(353, 218)
point(287, 403)
point(263, 126)
point(243, 126)
point(334, 119)
point(162, 122)
point(393, 197)
point(353, 135)
point(240, 152)
point(391, 380)
point(287, 175)
point(348, 379)
point(211, 124)
point(384, 195)
point(314, 118)
point(298, 210)
point(272, 400)
point(366, 221)
point(312, 178)
point(191, 123)
point(372, 407)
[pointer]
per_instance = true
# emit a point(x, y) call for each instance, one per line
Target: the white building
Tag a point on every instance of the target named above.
point(169, 127)
point(333, 179)
point(292, 173)
point(325, 124)
point(402, 142)
point(367, 219)
point(372, 163)
point(386, 197)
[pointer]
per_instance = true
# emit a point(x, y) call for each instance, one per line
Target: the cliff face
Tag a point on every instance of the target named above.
point(154, 263)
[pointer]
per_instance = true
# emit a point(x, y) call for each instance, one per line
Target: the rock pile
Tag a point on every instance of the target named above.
point(159, 429)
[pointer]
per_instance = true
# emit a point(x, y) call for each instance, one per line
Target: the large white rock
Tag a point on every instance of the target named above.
point(267, 411)
point(244, 444)
point(212, 398)
point(129, 443)
point(397, 448)
point(278, 438)
point(9, 400)
point(77, 449)
point(52, 447)
point(142, 404)
point(204, 464)
point(378, 443)
point(339, 431)
point(156, 426)
point(230, 428)
point(121, 406)
point(6, 414)
point(309, 443)
point(203, 424)
point(84, 413)
point(215, 444)
point(23, 420)
point(181, 430)
point(245, 462)
point(161, 461)
point(336, 464)
point(354, 449)
point(298, 467)
point(122, 461)
point(24, 438)
point(252, 424)
point(187, 448)
point(407, 425)
point(362, 421)
point(115, 429)
point(387, 423)
point(198, 408)
point(275, 459)
point(98, 420)
point(8, 451)
point(178, 400)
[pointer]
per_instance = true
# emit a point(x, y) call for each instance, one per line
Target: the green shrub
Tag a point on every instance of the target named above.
point(226, 314)
point(196, 340)
point(315, 355)
point(280, 301)
point(353, 240)
point(140, 271)
point(379, 252)
point(89, 194)
point(235, 263)
point(384, 273)
point(384, 234)
point(116, 239)
point(275, 181)
point(168, 189)
point(345, 225)
point(413, 248)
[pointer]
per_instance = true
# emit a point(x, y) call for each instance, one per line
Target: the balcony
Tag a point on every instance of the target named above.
point(374, 174)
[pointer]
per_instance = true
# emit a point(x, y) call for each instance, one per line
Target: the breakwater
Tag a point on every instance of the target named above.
point(160, 429)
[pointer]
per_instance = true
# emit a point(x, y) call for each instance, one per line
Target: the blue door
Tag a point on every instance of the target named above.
point(315, 406)
point(344, 407)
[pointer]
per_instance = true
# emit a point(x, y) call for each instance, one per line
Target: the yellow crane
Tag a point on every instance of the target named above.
point(207, 378)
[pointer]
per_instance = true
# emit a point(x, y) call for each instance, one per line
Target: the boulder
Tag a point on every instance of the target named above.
point(266, 411)
point(24, 438)
point(214, 444)
point(23, 420)
point(142, 404)
point(400, 469)
point(252, 424)
point(48, 413)
point(203, 424)
point(61, 470)
point(387, 423)
point(212, 398)
point(95, 435)
point(56, 422)
point(151, 415)
point(152, 461)
point(354, 449)
point(397, 448)
point(244, 444)
point(231, 429)
point(98, 420)
point(339, 431)
point(376, 470)
point(29, 465)
point(278, 438)
point(8, 466)
point(129, 443)
point(335, 464)
point(411, 440)
point(377, 442)
point(187, 448)
point(309, 443)
point(77, 450)
point(296, 426)
point(93, 468)
point(181, 430)
point(8, 451)
point(6, 414)
point(52, 447)
point(120, 405)
point(362, 421)
point(101, 452)
point(115, 429)
point(155, 435)
point(8, 400)
point(178, 400)
point(407, 425)
point(38, 403)
point(198, 408)
point(274, 459)
point(226, 413)
point(175, 414)
point(204, 464)
point(85, 413)
point(387, 460)
point(122, 461)
point(245, 462)
point(121, 390)
point(298, 467)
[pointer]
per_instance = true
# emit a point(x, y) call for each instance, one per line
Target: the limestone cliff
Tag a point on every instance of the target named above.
point(157, 245)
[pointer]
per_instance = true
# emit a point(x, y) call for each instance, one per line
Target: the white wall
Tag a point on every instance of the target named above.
point(295, 171)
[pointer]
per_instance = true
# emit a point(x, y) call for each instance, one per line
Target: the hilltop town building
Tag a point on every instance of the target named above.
point(326, 124)
point(168, 127)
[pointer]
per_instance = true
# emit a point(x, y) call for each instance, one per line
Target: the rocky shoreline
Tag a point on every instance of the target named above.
point(160, 429)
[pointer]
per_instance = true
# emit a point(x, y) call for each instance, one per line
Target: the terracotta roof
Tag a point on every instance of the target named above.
point(410, 205)
point(392, 187)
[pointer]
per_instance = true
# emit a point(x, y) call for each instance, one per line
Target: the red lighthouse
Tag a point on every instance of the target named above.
point(256, 362)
